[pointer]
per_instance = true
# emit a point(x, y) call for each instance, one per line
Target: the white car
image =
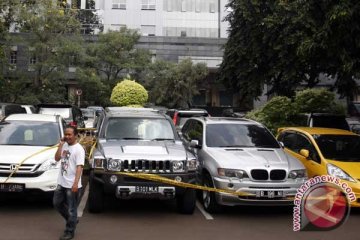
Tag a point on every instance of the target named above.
point(31, 137)
point(30, 109)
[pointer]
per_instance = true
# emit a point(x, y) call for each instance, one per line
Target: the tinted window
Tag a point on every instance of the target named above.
point(238, 135)
point(339, 147)
point(138, 128)
point(29, 133)
point(289, 140)
point(195, 132)
point(330, 122)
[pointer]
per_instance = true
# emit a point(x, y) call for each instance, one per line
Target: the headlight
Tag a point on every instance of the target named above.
point(114, 165)
point(98, 163)
point(232, 173)
point(48, 165)
point(191, 164)
point(178, 166)
point(301, 173)
point(337, 172)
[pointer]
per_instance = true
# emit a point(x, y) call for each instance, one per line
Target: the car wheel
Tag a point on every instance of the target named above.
point(186, 202)
point(208, 198)
point(96, 196)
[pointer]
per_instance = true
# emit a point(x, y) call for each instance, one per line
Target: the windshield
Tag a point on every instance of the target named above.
point(32, 133)
point(339, 147)
point(64, 112)
point(139, 129)
point(239, 135)
point(89, 113)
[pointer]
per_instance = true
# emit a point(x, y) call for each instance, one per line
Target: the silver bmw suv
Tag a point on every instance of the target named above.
point(241, 155)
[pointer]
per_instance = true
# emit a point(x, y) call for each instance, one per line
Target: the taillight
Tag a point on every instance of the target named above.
point(73, 124)
point(175, 118)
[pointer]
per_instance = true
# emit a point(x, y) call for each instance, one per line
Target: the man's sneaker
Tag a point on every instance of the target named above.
point(67, 236)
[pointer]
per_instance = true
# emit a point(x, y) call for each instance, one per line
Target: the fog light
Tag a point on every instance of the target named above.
point(230, 185)
point(178, 179)
point(113, 179)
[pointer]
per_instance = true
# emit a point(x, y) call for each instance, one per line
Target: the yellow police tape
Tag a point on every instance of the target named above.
point(145, 176)
point(28, 157)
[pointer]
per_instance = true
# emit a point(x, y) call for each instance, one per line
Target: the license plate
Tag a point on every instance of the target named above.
point(270, 194)
point(146, 189)
point(11, 187)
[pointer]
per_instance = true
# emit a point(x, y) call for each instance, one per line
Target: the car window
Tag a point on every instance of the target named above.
point(239, 135)
point(186, 129)
point(32, 133)
point(139, 128)
point(289, 140)
point(196, 131)
point(339, 147)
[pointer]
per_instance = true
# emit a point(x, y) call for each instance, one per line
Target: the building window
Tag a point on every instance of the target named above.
point(13, 57)
point(148, 5)
point(32, 62)
point(183, 33)
point(148, 30)
point(169, 6)
point(119, 4)
point(117, 27)
point(183, 5)
point(212, 6)
point(197, 6)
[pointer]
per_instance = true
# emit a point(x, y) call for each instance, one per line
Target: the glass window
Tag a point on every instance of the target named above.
point(148, 30)
point(32, 133)
point(119, 4)
point(212, 6)
point(139, 129)
point(195, 131)
point(13, 57)
point(239, 135)
point(183, 5)
point(339, 147)
point(148, 4)
point(197, 5)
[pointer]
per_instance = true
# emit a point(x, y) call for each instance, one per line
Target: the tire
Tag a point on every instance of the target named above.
point(96, 196)
point(186, 202)
point(208, 198)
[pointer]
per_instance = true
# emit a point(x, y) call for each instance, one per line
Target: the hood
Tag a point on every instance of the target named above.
point(351, 168)
point(16, 154)
point(252, 158)
point(150, 150)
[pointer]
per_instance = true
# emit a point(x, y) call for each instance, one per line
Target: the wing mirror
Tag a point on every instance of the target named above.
point(195, 144)
point(305, 153)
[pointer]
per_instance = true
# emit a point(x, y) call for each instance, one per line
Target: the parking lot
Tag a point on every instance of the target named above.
point(35, 218)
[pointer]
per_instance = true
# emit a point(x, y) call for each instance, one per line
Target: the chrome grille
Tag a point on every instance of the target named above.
point(24, 168)
point(146, 166)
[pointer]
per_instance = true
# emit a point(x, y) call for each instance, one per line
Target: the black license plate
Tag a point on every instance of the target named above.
point(270, 194)
point(11, 187)
point(146, 189)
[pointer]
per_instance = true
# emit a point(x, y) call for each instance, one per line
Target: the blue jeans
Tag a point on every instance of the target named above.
point(66, 203)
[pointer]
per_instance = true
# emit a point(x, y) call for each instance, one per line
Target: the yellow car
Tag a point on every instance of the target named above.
point(326, 151)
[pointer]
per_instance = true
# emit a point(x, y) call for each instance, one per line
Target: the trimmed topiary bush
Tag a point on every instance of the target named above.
point(128, 92)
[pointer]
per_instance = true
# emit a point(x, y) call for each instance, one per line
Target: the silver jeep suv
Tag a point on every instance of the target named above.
point(136, 140)
point(241, 155)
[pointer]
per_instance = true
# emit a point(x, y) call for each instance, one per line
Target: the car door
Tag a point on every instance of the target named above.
point(294, 142)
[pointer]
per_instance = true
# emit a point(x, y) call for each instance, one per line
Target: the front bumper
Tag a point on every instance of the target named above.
point(46, 182)
point(287, 189)
point(125, 186)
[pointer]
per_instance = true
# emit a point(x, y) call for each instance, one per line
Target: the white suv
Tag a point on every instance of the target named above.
point(30, 137)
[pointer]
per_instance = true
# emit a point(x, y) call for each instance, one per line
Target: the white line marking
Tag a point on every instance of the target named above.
point(82, 204)
point(202, 210)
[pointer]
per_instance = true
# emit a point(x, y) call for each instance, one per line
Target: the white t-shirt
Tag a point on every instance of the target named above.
point(71, 156)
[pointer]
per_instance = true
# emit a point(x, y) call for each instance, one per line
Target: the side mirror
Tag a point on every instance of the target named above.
point(195, 144)
point(305, 153)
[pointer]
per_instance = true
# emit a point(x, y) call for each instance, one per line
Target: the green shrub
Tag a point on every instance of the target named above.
point(128, 92)
point(314, 100)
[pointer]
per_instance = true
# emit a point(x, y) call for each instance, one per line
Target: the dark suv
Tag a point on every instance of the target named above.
point(133, 140)
point(10, 108)
point(72, 114)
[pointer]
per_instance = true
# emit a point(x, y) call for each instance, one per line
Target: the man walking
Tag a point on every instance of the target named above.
point(67, 193)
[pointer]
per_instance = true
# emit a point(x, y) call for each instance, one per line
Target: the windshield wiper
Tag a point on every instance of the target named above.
point(235, 146)
point(162, 139)
point(131, 138)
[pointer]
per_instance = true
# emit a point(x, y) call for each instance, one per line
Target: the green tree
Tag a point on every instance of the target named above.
point(50, 37)
point(129, 93)
point(285, 43)
point(174, 85)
